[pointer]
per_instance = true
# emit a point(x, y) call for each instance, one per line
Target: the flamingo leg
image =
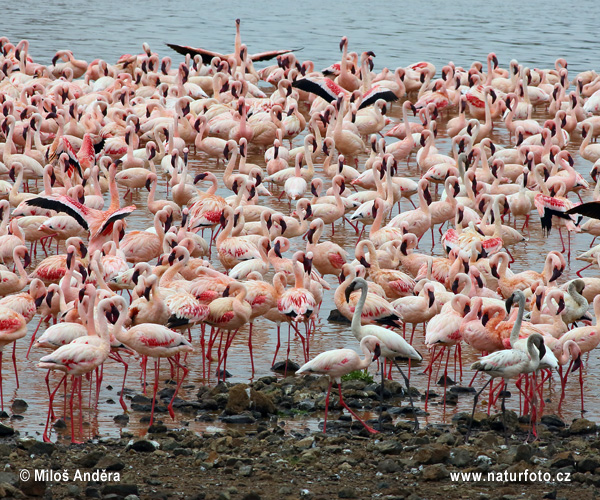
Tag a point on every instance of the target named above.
point(185, 372)
point(409, 395)
point(156, 366)
point(343, 403)
point(475, 400)
point(327, 405)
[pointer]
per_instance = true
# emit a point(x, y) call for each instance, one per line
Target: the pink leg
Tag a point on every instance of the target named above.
point(327, 405)
point(156, 368)
point(343, 403)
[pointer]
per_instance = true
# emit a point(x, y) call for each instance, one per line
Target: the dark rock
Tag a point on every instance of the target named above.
point(435, 472)
point(141, 399)
point(33, 488)
point(262, 403)
point(238, 401)
point(5, 430)
point(110, 464)
point(336, 316)
point(459, 389)
point(245, 470)
point(41, 448)
point(3, 414)
point(209, 404)
point(553, 421)
point(9, 478)
point(306, 405)
point(280, 367)
point(90, 459)
point(243, 418)
point(389, 448)
point(451, 398)
point(159, 428)
point(523, 453)
point(222, 374)
point(551, 495)
point(92, 493)
point(347, 492)
point(252, 496)
point(121, 419)
point(121, 489)
point(460, 457)
point(60, 424)
point(432, 454)
point(388, 466)
point(148, 408)
point(564, 459)
point(445, 381)
point(19, 406)
point(143, 445)
point(582, 426)
point(588, 464)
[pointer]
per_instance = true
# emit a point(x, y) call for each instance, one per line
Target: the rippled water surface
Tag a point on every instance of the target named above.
point(400, 33)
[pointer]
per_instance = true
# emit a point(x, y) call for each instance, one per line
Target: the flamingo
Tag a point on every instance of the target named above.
point(339, 362)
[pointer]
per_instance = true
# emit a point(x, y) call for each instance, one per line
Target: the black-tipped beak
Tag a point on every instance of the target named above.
point(39, 300)
point(364, 262)
point(431, 298)
point(576, 364)
point(226, 292)
point(135, 277)
point(49, 296)
point(494, 270)
point(172, 257)
point(561, 306)
point(454, 286)
point(147, 293)
point(277, 249)
point(69, 259)
point(349, 291)
point(376, 352)
point(26, 259)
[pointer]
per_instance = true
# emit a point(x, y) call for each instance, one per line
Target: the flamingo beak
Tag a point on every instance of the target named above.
point(431, 298)
point(576, 364)
point(49, 296)
point(135, 276)
point(171, 258)
point(147, 293)
point(364, 262)
point(561, 306)
point(494, 270)
point(376, 352)
point(226, 292)
point(277, 249)
point(39, 300)
point(454, 286)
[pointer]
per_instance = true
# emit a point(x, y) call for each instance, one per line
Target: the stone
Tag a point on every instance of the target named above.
point(435, 472)
point(245, 470)
point(110, 463)
point(120, 489)
point(251, 496)
point(280, 367)
point(19, 406)
point(41, 448)
point(121, 419)
point(553, 421)
point(143, 445)
point(388, 466)
point(564, 459)
point(347, 492)
point(582, 426)
point(460, 457)
point(6, 431)
point(262, 403)
point(523, 453)
point(239, 400)
point(244, 418)
point(389, 448)
point(588, 464)
point(432, 454)
point(90, 459)
point(306, 443)
point(33, 488)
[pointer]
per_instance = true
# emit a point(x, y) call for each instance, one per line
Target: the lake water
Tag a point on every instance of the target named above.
point(534, 33)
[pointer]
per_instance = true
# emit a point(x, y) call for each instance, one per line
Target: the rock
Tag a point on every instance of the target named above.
point(564, 459)
point(523, 453)
point(435, 472)
point(553, 421)
point(144, 446)
point(92, 493)
point(224, 495)
point(280, 367)
point(588, 464)
point(251, 496)
point(6, 431)
point(245, 470)
point(244, 418)
point(222, 374)
point(110, 463)
point(32, 487)
point(262, 403)
point(582, 426)
point(19, 406)
point(388, 466)
point(347, 492)
point(336, 316)
point(121, 489)
point(459, 389)
point(9, 478)
point(445, 381)
point(60, 424)
point(432, 454)
point(306, 405)
point(90, 459)
point(306, 443)
point(460, 457)
point(238, 401)
point(121, 419)
point(41, 448)
point(389, 448)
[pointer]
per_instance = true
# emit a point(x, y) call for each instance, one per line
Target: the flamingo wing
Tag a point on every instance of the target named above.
point(207, 55)
point(63, 204)
point(377, 93)
point(325, 87)
point(270, 54)
point(115, 216)
point(591, 209)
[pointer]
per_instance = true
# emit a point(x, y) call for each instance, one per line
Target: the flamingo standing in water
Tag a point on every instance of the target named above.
point(339, 362)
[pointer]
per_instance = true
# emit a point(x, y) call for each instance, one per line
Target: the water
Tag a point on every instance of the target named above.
point(398, 36)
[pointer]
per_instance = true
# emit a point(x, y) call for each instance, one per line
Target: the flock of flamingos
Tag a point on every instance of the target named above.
point(214, 261)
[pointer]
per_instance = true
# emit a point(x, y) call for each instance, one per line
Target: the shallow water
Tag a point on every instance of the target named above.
point(398, 37)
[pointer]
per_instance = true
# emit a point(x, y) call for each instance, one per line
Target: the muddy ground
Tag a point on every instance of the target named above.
point(250, 455)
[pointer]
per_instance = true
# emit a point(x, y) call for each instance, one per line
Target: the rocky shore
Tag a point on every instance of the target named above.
point(254, 457)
